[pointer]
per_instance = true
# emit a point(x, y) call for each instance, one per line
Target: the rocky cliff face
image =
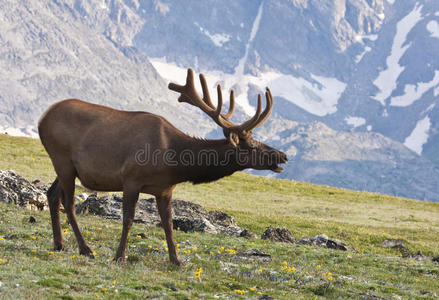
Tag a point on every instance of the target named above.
point(53, 51)
point(356, 66)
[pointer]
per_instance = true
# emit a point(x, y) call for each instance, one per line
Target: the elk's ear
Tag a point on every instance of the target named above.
point(233, 139)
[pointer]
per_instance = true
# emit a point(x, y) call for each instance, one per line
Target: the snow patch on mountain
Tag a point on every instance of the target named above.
point(28, 131)
point(413, 92)
point(386, 81)
point(219, 39)
point(433, 28)
point(239, 70)
point(419, 136)
point(319, 98)
point(359, 57)
point(163, 8)
point(360, 38)
point(355, 121)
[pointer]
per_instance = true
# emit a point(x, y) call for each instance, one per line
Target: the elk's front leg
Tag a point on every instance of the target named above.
point(130, 197)
point(164, 205)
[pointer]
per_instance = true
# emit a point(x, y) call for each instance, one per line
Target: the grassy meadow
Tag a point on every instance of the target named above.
point(30, 269)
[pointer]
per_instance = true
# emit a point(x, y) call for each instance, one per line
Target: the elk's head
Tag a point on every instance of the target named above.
point(251, 153)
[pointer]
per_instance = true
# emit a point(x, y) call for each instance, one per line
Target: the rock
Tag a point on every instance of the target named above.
point(109, 206)
point(32, 220)
point(435, 259)
point(419, 256)
point(322, 240)
point(17, 190)
point(395, 244)
point(265, 297)
point(248, 234)
point(254, 254)
point(81, 197)
point(277, 234)
point(427, 293)
point(41, 185)
point(187, 216)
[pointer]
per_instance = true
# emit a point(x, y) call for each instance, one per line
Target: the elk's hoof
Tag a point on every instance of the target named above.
point(176, 262)
point(120, 259)
point(87, 253)
point(61, 248)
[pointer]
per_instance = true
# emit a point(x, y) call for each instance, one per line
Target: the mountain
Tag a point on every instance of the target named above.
point(356, 66)
point(50, 51)
point(353, 80)
point(352, 64)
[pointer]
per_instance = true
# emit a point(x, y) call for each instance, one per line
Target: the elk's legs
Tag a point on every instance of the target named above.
point(54, 195)
point(130, 197)
point(68, 190)
point(164, 205)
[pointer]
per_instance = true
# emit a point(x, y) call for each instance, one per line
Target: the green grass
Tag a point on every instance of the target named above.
point(28, 268)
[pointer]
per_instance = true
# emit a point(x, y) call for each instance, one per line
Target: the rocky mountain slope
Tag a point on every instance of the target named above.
point(50, 51)
point(330, 63)
point(354, 65)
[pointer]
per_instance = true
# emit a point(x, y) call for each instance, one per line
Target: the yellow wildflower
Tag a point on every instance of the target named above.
point(33, 251)
point(1, 261)
point(198, 273)
point(114, 282)
point(51, 253)
point(2, 238)
point(241, 292)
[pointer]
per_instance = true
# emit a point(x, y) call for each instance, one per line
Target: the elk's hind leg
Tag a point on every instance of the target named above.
point(54, 195)
point(67, 181)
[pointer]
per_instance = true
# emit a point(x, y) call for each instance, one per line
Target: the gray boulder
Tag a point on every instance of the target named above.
point(187, 216)
point(395, 244)
point(254, 255)
point(17, 190)
point(322, 240)
point(277, 234)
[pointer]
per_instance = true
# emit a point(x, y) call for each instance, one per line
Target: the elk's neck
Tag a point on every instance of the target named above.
point(207, 160)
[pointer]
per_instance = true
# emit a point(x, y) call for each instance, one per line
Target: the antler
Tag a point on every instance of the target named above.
point(189, 95)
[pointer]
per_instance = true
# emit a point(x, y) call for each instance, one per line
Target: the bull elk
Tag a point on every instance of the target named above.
point(101, 146)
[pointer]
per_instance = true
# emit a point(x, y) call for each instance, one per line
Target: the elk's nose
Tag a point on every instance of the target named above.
point(283, 158)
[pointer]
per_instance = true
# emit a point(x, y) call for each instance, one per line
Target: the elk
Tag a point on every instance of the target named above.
point(101, 146)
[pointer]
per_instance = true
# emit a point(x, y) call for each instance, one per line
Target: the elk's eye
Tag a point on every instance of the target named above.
point(252, 144)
